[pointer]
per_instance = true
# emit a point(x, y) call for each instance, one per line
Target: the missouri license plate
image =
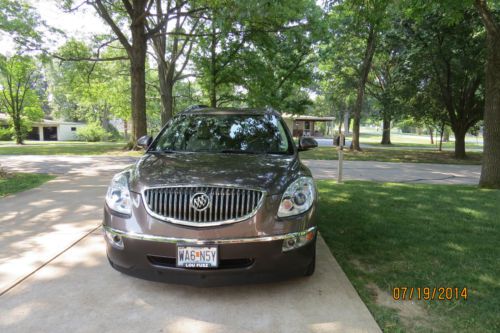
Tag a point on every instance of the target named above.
point(197, 256)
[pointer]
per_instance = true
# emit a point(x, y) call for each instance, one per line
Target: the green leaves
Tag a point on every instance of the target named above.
point(90, 91)
point(18, 98)
point(259, 53)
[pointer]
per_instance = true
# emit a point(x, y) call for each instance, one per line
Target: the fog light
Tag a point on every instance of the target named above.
point(297, 241)
point(115, 240)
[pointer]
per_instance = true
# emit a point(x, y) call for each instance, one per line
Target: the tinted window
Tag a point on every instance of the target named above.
point(228, 133)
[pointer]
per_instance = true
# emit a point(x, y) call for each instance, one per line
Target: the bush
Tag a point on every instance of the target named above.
point(5, 134)
point(113, 133)
point(92, 133)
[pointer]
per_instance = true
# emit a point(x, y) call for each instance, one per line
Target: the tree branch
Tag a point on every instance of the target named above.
point(103, 12)
point(487, 17)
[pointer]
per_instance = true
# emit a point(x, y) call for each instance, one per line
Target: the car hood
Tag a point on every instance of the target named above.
point(271, 173)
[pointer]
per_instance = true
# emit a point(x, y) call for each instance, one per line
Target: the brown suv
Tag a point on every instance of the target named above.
point(219, 197)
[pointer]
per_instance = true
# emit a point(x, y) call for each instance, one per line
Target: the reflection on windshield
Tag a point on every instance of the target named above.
point(225, 133)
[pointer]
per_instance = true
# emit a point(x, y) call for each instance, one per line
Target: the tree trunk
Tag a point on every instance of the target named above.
point(490, 172)
point(431, 134)
point(125, 128)
point(138, 81)
point(105, 118)
point(386, 130)
point(446, 136)
point(441, 137)
point(347, 121)
point(365, 69)
point(213, 69)
point(18, 133)
point(460, 143)
point(166, 78)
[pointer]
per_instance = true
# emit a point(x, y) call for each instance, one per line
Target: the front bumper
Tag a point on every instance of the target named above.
point(241, 260)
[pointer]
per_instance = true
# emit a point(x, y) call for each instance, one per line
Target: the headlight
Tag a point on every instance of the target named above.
point(298, 197)
point(118, 196)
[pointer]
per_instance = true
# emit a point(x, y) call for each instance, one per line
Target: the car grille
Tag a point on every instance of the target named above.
point(220, 205)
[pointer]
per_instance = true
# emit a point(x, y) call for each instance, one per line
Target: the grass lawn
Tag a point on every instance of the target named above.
point(391, 155)
point(18, 182)
point(412, 140)
point(65, 148)
point(387, 235)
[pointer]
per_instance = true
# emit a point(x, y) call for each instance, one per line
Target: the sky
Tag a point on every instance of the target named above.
point(82, 23)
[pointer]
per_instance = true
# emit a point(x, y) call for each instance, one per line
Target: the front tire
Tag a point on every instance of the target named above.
point(312, 266)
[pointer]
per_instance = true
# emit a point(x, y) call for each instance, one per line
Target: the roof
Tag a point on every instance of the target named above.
point(58, 122)
point(306, 117)
point(3, 117)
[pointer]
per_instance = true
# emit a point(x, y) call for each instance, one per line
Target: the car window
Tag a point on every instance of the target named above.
point(225, 133)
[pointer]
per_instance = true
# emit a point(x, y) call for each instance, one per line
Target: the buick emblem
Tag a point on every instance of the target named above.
point(200, 201)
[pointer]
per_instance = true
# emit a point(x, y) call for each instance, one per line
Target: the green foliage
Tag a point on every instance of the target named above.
point(87, 91)
point(258, 54)
point(92, 133)
point(5, 134)
point(19, 20)
point(18, 98)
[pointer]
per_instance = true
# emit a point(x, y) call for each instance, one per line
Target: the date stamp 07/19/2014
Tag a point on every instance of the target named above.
point(429, 293)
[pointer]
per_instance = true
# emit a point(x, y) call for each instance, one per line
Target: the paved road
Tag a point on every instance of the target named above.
point(54, 276)
point(397, 172)
point(360, 170)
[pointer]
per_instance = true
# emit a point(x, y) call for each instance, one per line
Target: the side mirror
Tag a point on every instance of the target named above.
point(306, 143)
point(144, 141)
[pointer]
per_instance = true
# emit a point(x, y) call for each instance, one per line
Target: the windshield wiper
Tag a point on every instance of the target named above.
point(163, 151)
point(238, 151)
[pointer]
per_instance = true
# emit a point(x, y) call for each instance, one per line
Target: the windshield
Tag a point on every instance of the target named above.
point(225, 133)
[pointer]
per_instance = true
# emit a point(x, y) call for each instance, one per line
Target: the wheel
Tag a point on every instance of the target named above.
point(312, 266)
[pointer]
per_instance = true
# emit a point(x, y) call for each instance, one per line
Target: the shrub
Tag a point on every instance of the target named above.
point(113, 133)
point(5, 134)
point(92, 133)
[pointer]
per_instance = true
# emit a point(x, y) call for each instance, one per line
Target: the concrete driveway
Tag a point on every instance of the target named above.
point(54, 276)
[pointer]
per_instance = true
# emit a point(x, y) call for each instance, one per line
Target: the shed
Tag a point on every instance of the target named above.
point(304, 125)
point(49, 130)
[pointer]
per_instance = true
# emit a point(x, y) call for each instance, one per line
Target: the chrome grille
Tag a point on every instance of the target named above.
point(225, 204)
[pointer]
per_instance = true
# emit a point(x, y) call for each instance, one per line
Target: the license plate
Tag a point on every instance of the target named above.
point(197, 256)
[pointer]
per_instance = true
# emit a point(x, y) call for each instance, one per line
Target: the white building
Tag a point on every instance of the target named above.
point(49, 130)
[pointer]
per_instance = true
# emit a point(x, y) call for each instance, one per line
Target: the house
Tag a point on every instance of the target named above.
point(49, 130)
point(304, 125)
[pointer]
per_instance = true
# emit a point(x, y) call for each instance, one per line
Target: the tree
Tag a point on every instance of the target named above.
point(117, 14)
point(18, 97)
point(258, 53)
point(489, 13)
point(92, 91)
point(358, 22)
point(447, 60)
point(20, 21)
point(490, 172)
point(278, 69)
point(172, 48)
point(386, 84)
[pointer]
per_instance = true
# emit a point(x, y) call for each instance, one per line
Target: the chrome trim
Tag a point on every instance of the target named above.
point(175, 240)
point(204, 224)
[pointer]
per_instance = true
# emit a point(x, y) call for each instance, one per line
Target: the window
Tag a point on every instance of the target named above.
point(221, 133)
point(73, 129)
